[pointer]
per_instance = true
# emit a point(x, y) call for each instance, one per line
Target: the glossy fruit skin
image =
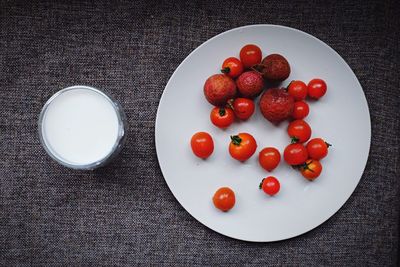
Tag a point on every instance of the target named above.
point(232, 67)
point(275, 68)
point(243, 108)
point(317, 148)
point(224, 199)
point(269, 158)
point(298, 90)
point(250, 84)
point(300, 110)
point(202, 144)
point(276, 105)
point(295, 154)
point(250, 55)
point(312, 169)
point(270, 185)
point(222, 117)
point(299, 131)
point(242, 146)
point(219, 88)
point(317, 88)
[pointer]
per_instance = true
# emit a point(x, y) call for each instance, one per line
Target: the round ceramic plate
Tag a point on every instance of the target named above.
point(341, 117)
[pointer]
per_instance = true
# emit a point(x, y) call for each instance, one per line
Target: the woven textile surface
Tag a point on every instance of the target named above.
point(124, 214)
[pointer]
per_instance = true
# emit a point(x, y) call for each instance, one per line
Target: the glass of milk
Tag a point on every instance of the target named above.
point(81, 127)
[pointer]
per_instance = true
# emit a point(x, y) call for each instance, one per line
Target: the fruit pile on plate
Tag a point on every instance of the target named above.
point(232, 94)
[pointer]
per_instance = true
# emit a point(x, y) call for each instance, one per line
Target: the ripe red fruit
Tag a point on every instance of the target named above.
point(219, 88)
point(311, 169)
point(317, 148)
point(298, 90)
point(222, 117)
point(276, 105)
point(202, 144)
point(270, 185)
point(275, 68)
point(269, 158)
point(243, 108)
point(242, 146)
point(295, 154)
point(224, 199)
point(250, 55)
point(232, 67)
point(317, 88)
point(300, 110)
point(250, 84)
point(299, 131)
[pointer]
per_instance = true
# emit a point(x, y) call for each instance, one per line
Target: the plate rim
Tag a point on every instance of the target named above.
point(260, 26)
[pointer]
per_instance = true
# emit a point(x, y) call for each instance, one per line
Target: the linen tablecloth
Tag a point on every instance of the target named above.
point(124, 214)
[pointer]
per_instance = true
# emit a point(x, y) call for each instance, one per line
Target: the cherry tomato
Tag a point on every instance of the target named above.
point(295, 154)
point(242, 146)
point(243, 108)
point(317, 148)
point(311, 170)
point(316, 88)
point(298, 90)
point(270, 185)
point(222, 117)
point(232, 67)
point(300, 110)
point(299, 131)
point(202, 144)
point(269, 158)
point(224, 199)
point(250, 55)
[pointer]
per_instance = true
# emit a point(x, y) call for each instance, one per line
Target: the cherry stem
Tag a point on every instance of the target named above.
point(260, 186)
point(294, 140)
point(222, 112)
point(305, 167)
point(230, 103)
point(287, 88)
point(226, 70)
point(236, 140)
point(327, 144)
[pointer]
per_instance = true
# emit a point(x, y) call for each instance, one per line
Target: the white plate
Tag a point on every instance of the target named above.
point(340, 117)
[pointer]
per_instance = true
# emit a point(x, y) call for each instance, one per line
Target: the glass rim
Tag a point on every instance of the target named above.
point(99, 162)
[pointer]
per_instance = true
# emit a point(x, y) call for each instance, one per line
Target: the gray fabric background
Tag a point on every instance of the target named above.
point(124, 214)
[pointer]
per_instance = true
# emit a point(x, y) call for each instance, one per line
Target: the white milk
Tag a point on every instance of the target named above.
point(80, 126)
